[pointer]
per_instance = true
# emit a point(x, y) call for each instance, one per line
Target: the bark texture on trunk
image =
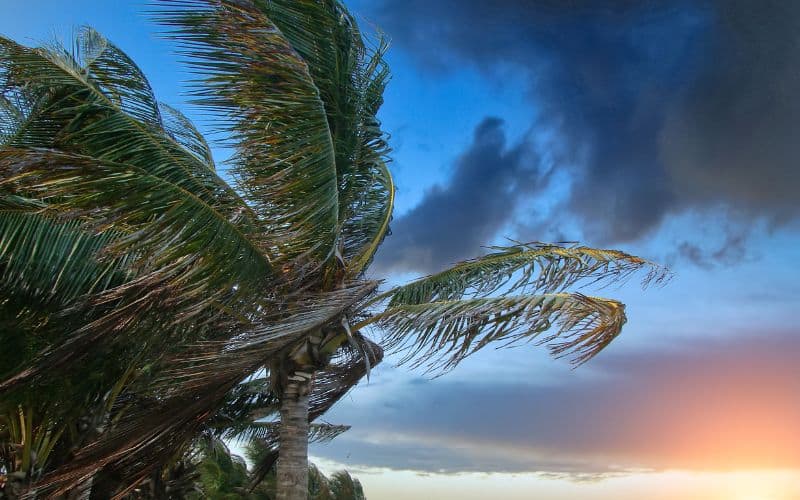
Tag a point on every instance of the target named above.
point(292, 467)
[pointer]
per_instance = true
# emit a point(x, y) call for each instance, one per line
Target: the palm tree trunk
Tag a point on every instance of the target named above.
point(292, 468)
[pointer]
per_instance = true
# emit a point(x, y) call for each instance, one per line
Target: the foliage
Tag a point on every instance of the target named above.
point(145, 302)
point(223, 475)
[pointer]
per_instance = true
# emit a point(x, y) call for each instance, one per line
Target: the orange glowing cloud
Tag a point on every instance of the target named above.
point(723, 404)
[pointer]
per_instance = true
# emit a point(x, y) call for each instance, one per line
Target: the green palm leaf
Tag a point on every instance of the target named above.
point(351, 79)
point(268, 431)
point(85, 109)
point(167, 227)
point(261, 90)
point(183, 131)
point(53, 262)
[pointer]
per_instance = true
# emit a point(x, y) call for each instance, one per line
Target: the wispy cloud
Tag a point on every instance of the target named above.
point(718, 404)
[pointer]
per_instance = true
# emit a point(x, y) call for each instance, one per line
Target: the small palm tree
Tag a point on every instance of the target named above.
point(138, 280)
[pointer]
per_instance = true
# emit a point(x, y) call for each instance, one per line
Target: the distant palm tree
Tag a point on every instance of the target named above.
point(141, 289)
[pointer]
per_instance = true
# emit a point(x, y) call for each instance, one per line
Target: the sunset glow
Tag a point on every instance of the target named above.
point(667, 129)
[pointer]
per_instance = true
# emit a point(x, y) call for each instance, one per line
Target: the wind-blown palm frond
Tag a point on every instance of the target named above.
point(79, 116)
point(444, 332)
point(166, 224)
point(268, 431)
point(332, 383)
point(367, 190)
point(115, 74)
point(261, 90)
point(367, 220)
point(18, 111)
point(343, 486)
point(351, 79)
point(183, 131)
point(53, 262)
point(247, 402)
point(532, 268)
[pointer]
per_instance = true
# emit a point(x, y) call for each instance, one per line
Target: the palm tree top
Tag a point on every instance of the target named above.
point(152, 288)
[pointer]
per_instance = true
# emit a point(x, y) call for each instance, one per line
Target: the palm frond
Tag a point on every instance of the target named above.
point(442, 333)
point(166, 225)
point(345, 486)
point(531, 268)
point(183, 131)
point(114, 73)
point(367, 221)
point(269, 431)
point(367, 188)
point(53, 262)
point(261, 90)
point(332, 383)
point(247, 402)
point(351, 78)
point(66, 106)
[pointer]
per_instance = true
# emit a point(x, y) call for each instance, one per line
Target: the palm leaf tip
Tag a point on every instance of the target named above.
point(589, 326)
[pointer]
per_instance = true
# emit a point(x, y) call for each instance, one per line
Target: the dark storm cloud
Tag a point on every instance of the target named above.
point(660, 107)
point(453, 221)
point(722, 403)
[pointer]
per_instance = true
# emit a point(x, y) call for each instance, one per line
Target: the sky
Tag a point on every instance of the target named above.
point(663, 128)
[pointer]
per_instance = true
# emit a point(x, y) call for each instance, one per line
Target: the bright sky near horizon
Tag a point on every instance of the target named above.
point(665, 128)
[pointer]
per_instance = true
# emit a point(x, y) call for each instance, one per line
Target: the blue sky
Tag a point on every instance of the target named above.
point(662, 128)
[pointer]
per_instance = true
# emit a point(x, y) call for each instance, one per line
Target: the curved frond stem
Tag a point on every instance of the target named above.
point(364, 256)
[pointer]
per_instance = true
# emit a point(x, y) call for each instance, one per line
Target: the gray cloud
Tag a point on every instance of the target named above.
point(732, 251)
point(453, 221)
point(660, 107)
point(722, 403)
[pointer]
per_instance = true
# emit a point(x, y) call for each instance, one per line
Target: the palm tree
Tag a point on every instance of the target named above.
point(144, 292)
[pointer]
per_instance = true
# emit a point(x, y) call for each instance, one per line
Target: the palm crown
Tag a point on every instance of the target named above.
point(142, 292)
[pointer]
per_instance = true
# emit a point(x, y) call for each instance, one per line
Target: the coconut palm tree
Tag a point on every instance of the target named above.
point(142, 291)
